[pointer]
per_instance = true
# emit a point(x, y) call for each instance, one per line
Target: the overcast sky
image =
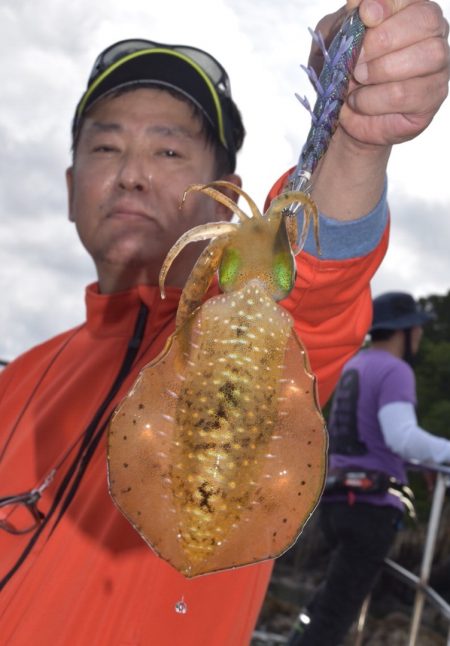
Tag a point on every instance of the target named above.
point(47, 48)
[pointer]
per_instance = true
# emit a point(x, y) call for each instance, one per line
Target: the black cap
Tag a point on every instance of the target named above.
point(188, 70)
point(397, 311)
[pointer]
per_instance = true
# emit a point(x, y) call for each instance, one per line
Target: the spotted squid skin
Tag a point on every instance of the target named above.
point(226, 414)
point(217, 455)
point(216, 464)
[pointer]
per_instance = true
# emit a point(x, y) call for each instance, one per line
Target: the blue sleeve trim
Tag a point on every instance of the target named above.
point(342, 240)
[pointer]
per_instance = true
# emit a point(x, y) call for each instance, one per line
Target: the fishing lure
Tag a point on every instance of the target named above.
point(217, 456)
point(331, 88)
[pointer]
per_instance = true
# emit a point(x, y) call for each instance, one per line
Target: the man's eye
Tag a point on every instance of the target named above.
point(170, 152)
point(104, 148)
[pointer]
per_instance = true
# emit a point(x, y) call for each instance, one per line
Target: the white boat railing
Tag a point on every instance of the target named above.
point(420, 583)
point(424, 593)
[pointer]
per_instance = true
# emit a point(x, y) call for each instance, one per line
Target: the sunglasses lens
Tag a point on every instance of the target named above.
point(115, 53)
point(20, 518)
point(204, 60)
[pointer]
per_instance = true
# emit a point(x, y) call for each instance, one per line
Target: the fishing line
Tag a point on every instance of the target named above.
point(90, 442)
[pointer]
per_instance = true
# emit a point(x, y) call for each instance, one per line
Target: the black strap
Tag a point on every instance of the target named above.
point(87, 448)
point(343, 432)
point(357, 479)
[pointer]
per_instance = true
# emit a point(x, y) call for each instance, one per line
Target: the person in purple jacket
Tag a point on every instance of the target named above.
point(373, 430)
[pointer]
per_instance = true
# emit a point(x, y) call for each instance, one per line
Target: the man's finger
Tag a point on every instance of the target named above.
point(420, 95)
point(374, 12)
point(418, 21)
point(421, 59)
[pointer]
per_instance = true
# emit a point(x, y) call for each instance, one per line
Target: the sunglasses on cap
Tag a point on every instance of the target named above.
point(210, 66)
point(19, 514)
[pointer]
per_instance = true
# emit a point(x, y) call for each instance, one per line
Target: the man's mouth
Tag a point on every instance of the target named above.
point(128, 212)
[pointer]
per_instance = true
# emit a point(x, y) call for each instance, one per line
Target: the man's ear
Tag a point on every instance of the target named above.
point(69, 186)
point(222, 210)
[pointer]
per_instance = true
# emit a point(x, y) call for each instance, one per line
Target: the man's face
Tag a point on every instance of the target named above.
point(136, 155)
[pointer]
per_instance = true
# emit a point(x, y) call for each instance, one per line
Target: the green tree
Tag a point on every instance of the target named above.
point(433, 368)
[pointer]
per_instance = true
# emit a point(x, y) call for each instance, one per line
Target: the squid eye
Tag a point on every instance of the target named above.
point(283, 272)
point(229, 269)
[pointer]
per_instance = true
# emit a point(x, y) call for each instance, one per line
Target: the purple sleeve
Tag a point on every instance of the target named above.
point(398, 385)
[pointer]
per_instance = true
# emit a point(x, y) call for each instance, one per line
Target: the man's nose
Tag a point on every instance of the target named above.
point(135, 173)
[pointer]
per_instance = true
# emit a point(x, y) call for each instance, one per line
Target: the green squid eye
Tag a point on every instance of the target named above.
point(229, 268)
point(284, 271)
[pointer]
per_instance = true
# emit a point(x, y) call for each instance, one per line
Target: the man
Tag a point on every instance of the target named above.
point(153, 120)
point(373, 429)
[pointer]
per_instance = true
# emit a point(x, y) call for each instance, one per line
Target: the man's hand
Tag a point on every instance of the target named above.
point(402, 74)
point(401, 79)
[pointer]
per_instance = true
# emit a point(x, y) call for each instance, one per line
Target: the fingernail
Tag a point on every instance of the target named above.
point(361, 73)
point(373, 13)
point(362, 56)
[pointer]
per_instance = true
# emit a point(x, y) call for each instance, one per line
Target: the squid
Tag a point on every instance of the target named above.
point(223, 429)
point(217, 455)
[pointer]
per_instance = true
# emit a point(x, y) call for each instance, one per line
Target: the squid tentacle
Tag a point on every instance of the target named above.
point(256, 213)
point(200, 279)
point(285, 201)
point(208, 189)
point(199, 233)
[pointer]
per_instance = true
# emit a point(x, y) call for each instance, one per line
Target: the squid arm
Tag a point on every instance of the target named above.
point(199, 233)
point(208, 189)
point(200, 278)
point(283, 201)
point(256, 213)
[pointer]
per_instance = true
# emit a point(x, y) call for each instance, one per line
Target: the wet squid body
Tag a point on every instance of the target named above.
point(217, 455)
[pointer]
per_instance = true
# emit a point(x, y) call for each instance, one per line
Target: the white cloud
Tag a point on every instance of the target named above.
point(417, 260)
point(50, 46)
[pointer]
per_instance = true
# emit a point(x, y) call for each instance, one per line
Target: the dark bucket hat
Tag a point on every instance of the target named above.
point(397, 311)
point(188, 70)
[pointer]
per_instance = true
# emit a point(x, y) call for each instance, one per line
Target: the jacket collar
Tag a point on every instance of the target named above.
point(115, 314)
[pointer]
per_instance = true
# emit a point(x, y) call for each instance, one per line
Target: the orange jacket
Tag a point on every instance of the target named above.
point(94, 581)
